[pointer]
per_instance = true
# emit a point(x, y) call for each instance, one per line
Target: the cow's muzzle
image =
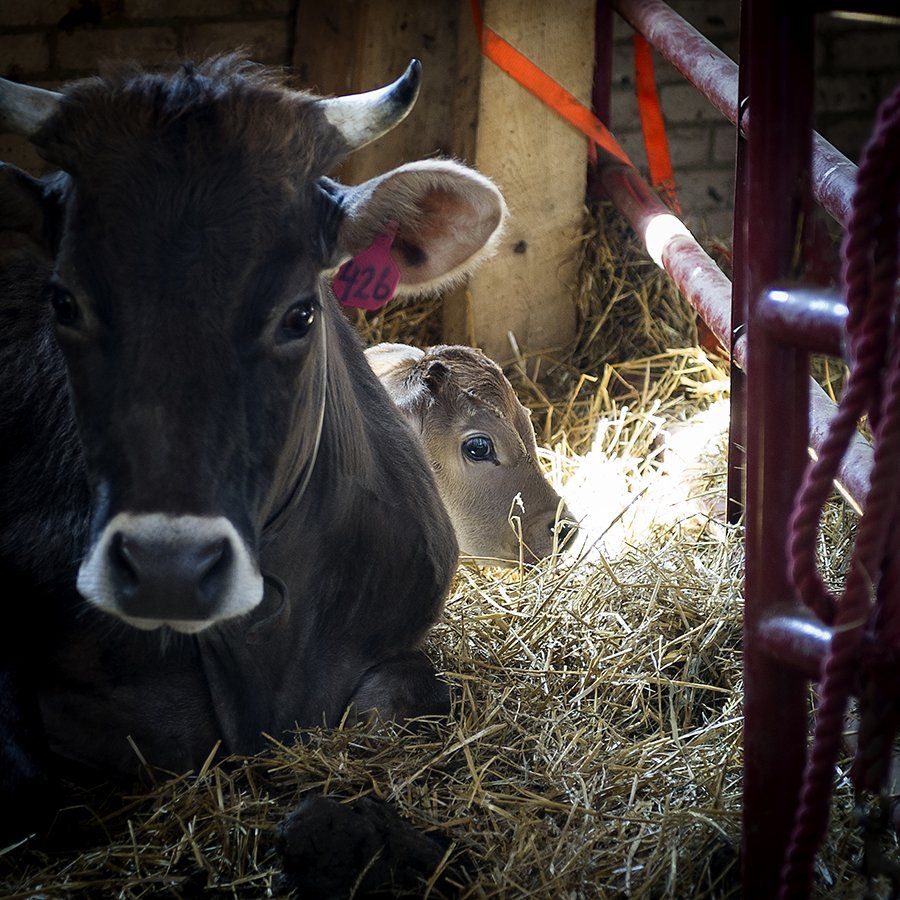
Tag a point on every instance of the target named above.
point(186, 572)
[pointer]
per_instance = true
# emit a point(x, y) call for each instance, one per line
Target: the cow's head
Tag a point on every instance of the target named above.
point(190, 302)
point(480, 442)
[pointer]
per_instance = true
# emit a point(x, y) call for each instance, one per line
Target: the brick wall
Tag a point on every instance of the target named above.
point(46, 42)
point(856, 66)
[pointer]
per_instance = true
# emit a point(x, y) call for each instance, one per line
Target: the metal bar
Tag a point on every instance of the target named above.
point(816, 321)
point(737, 441)
point(794, 638)
point(737, 398)
point(696, 58)
point(709, 291)
point(601, 88)
point(812, 320)
point(671, 246)
point(601, 94)
point(833, 179)
point(856, 467)
point(704, 285)
point(716, 77)
point(780, 41)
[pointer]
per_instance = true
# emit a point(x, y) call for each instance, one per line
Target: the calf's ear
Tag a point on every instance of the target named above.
point(388, 361)
point(410, 383)
point(395, 366)
point(449, 218)
point(30, 210)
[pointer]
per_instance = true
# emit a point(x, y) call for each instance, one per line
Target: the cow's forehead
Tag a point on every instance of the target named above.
point(190, 180)
point(196, 116)
point(190, 204)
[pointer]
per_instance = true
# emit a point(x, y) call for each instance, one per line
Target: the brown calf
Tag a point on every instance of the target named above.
point(480, 442)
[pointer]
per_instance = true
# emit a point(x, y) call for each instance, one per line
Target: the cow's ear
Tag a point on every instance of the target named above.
point(31, 210)
point(449, 218)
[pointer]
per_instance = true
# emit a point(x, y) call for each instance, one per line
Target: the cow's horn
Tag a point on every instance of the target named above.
point(23, 109)
point(361, 118)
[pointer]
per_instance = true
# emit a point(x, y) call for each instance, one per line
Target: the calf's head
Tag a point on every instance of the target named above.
point(480, 442)
point(189, 299)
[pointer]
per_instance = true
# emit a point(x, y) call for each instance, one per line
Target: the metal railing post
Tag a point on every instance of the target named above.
point(775, 196)
point(737, 420)
point(601, 89)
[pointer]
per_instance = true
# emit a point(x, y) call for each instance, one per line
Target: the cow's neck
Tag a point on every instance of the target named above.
point(326, 494)
point(334, 509)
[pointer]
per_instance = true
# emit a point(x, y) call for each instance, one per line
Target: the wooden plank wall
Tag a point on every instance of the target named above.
point(358, 45)
point(472, 111)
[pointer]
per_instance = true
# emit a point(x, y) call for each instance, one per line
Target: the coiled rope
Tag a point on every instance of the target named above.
point(865, 618)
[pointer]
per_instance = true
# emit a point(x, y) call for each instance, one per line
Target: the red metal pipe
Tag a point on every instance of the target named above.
point(672, 247)
point(601, 88)
point(737, 418)
point(833, 179)
point(795, 638)
point(708, 290)
point(698, 60)
point(704, 285)
point(603, 44)
point(856, 467)
point(812, 320)
point(815, 321)
point(779, 148)
point(716, 77)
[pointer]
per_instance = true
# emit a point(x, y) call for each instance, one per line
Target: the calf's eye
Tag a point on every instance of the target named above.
point(299, 319)
point(64, 305)
point(478, 448)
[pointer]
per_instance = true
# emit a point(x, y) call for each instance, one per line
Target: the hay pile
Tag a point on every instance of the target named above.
point(594, 744)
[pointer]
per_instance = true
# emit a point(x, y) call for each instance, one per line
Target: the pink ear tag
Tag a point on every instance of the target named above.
point(369, 280)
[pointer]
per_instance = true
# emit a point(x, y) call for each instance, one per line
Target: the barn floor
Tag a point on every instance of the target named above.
point(594, 745)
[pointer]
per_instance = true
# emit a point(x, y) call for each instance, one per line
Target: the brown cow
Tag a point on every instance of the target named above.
point(191, 431)
point(480, 442)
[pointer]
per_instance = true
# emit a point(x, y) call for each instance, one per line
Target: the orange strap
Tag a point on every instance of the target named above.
point(655, 141)
point(520, 68)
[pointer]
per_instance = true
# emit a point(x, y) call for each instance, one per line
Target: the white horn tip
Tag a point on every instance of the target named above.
point(361, 118)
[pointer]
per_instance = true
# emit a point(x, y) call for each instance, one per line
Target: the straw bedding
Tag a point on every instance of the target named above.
point(594, 745)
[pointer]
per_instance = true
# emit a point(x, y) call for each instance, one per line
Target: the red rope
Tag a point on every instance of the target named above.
point(870, 604)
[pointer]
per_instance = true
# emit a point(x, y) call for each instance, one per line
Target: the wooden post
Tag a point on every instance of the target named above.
point(539, 162)
point(470, 110)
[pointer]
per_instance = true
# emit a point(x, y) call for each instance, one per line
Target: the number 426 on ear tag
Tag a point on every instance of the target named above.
point(369, 279)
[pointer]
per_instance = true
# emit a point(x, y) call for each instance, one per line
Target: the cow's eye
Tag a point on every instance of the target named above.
point(479, 448)
point(64, 305)
point(299, 319)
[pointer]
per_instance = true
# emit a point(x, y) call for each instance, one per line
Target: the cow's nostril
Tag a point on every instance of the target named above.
point(214, 569)
point(122, 562)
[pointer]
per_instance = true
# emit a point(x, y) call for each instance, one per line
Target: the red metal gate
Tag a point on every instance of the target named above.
point(771, 327)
